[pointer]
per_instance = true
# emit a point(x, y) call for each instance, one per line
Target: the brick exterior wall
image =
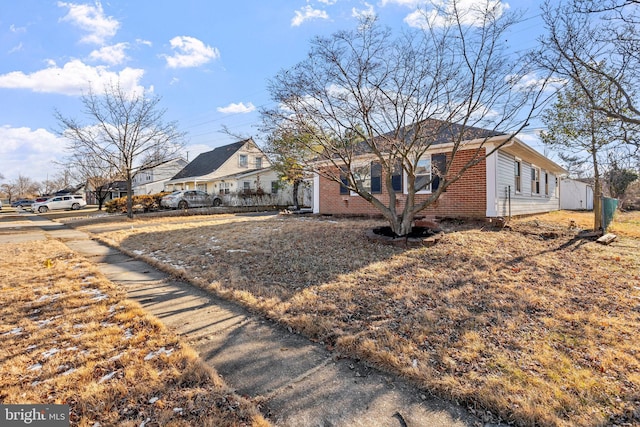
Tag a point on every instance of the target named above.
point(466, 198)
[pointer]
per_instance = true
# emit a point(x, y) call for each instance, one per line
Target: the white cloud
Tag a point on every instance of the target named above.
point(531, 81)
point(307, 13)
point(144, 42)
point(190, 52)
point(328, 2)
point(237, 108)
point(367, 12)
point(37, 148)
point(17, 48)
point(406, 3)
point(112, 55)
point(470, 12)
point(17, 30)
point(72, 79)
point(92, 20)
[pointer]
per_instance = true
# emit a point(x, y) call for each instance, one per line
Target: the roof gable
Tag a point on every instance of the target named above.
point(210, 161)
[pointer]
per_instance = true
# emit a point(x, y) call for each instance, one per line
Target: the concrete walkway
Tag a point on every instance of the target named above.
point(295, 382)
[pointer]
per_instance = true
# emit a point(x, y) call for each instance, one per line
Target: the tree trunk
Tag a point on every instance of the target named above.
point(597, 191)
point(129, 197)
point(296, 187)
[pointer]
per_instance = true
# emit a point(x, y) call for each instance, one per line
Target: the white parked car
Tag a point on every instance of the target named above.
point(184, 199)
point(67, 201)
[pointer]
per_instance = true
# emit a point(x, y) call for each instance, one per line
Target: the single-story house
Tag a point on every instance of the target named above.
point(207, 170)
point(513, 180)
point(152, 180)
point(113, 190)
point(576, 194)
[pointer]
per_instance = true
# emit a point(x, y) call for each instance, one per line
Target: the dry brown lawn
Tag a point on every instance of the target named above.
point(69, 336)
point(531, 323)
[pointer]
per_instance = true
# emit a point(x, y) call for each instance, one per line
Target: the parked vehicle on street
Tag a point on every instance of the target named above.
point(22, 203)
point(184, 199)
point(68, 201)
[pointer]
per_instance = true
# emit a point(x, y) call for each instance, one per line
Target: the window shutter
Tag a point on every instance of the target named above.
point(343, 186)
point(396, 178)
point(376, 177)
point(438, 169)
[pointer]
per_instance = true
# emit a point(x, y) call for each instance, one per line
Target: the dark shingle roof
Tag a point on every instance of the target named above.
point(431, 132)
point(441, 132)
point(208, 162)
point(114, 186)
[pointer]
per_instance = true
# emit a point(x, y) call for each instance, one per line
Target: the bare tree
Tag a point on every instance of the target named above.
point(21, 187)
point(96, 173)
point(9, 190)
point(597, 40)
point(394, 98)
point(127, 132)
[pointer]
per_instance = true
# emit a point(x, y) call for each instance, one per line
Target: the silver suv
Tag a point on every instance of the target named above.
point(184, 199)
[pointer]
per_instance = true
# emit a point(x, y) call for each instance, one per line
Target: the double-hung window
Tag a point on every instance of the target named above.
point(258, 162)
point(225, 187)
point(362, 176)
point(243, 160)
point(535, 180)
point(429, 172)
point(423, 175)
point(546, 184)
point(369, 177)
point(518, 176)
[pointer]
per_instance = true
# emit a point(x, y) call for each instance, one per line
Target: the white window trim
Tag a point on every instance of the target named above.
point(405, 186)
point(539, 193)
point(360, 165)
point(547, 192)
point(515, 189)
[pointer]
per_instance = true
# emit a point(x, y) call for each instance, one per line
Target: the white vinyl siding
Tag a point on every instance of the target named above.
point(524, 202)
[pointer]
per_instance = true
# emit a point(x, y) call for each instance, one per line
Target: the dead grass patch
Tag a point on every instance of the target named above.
point(624, 224)
point(538, 329)
point(70, 337)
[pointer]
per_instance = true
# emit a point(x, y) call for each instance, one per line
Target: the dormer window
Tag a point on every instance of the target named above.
point(243, 161)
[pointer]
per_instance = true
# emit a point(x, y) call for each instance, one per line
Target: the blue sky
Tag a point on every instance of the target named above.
point(208, 60)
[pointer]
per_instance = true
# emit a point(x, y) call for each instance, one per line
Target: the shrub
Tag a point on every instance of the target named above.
point(143, 203)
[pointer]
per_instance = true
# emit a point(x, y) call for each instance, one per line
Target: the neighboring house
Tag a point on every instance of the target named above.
point(152, 180)
point(254, 187)
point(576, 195)
point(70, 190)
point(213, 171)
point(114, 190)
point(514, 180)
